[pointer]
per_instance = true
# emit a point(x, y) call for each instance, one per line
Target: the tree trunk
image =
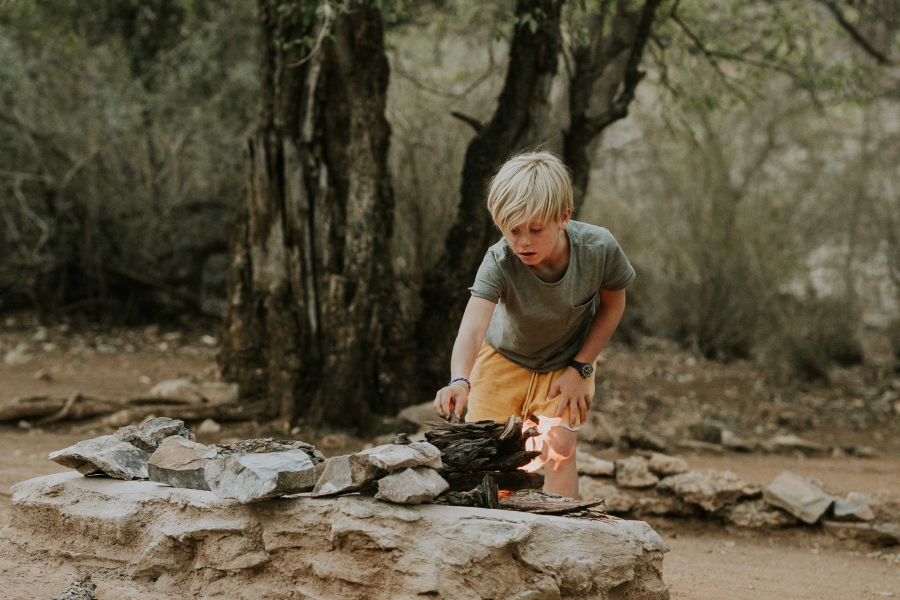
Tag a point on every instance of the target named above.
point(521, 109)
point(605, 78)
point(311, 285)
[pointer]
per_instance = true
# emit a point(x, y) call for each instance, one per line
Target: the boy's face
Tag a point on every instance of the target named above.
point(535, 242)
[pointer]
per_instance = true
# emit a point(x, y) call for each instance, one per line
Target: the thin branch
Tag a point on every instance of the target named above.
point(477, 125)
point(397, 67)
point(710, 56)
point(855, 33)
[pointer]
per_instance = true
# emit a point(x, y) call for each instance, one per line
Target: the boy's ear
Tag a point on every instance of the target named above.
point(564, 221)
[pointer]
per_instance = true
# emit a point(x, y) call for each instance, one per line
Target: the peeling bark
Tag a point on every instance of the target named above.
point(311, 279)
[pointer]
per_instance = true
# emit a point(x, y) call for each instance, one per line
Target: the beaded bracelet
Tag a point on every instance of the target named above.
point(461, 381)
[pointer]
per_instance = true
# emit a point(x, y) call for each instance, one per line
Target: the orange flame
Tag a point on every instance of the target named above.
point(538, 442)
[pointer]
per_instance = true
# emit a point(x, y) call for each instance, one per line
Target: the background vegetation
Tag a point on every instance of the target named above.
point(755, 184)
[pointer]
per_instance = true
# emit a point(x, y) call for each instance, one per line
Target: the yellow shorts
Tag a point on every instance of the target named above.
point(501, 388)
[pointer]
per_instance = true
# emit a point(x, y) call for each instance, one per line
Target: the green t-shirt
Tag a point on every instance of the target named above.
point(541, 326)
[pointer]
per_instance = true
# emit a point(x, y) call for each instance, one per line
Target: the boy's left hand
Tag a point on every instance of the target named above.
point(574, 393)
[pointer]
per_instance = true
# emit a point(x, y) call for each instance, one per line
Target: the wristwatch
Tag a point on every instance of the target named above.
point(584, 369)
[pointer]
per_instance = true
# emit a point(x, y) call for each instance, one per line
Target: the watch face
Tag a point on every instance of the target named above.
point(586, 371)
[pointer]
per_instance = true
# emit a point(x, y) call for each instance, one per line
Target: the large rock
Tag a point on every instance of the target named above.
point(195, 545)
point(257, 476)
point(669, 506)
point(153, 432)
point(632, 472)
point(634, 438)
point(734, 442)
point(348, 473)
point(756, 514)
point(665, 465)
point(587, 464)
point(180, 463)
point(186, 391)
point(707, 488)
point(411, 486)
point(106, 454)
point(706, 431)
point(393, 457)
point(798, 496)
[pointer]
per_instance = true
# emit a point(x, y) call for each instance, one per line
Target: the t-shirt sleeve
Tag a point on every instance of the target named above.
point(617, 271)
point(489, 281)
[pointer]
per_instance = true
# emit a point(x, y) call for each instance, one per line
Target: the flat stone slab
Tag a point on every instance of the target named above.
point(179, 462)
point(195, 545)
point(707, 488)
point(798, 496)
point(394, 457)
point(633, 472)
point(105, 454)
point(252, 477)
point(411, 486)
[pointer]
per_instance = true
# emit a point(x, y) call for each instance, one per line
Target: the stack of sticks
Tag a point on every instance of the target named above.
point(470, 451)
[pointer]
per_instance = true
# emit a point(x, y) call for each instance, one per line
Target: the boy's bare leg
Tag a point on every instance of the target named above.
point(560, 472)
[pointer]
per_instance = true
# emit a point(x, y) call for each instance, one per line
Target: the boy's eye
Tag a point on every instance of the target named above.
point(535, 230)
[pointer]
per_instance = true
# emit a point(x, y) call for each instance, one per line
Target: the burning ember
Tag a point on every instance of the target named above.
point(537, 442)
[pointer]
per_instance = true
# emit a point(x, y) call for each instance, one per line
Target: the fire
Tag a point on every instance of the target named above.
point(541, 442)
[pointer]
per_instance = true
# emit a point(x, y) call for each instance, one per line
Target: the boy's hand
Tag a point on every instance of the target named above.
point(573, 391)
point(450, 399)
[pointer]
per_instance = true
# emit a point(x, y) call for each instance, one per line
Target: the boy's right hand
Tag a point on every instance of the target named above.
point(449, 400)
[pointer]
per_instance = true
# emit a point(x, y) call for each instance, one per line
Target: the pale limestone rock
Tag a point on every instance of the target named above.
point(707, 488)
point(348, 473)
point(854, 507)
point(632, 472)
point(793, 442)
point(209, 427)
point(756, 514)
point(665, 465)
point(798, 496)
point(351, 547)
point(736, 443)
point(615, 500)
point(257, 476)
point(393, 457)
point(419, 413)
point(105, 454)
point(188, 392)
point(180, 463)
point(670, 506)
point(150, 435)
point(588, 464)
point(411, 486)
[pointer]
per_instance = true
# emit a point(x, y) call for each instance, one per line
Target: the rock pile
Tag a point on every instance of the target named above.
point(666, 486)
point(404, 472)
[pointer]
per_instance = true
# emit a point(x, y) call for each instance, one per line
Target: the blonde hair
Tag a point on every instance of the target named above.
point(533, 186)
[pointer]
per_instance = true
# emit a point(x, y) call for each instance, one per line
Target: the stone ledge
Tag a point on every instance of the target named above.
point(191, 542)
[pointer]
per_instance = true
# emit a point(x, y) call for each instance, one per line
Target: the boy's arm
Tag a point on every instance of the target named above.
point(573, 390)
point(471, 334)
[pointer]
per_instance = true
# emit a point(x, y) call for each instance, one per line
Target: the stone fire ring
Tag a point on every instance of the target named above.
point(350, 547)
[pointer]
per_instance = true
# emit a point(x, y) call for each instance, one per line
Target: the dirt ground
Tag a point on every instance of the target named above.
point(653, 386)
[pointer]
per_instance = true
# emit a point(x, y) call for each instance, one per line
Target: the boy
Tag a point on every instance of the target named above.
point(546, 300)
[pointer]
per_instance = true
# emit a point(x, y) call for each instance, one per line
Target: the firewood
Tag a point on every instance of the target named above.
point(510, 462)
point(484, 495)
point(505, 480)
point(541, 503)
